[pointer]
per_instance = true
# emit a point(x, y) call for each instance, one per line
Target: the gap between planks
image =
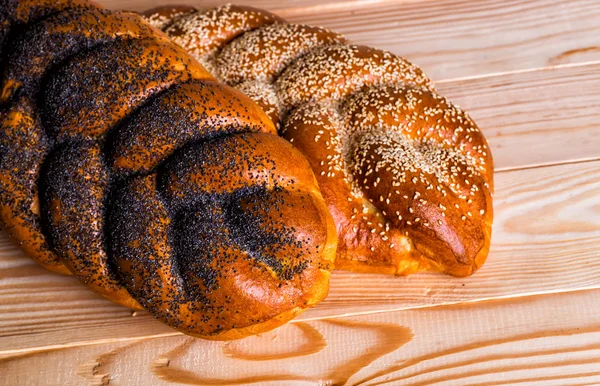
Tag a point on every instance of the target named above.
point(519, 115)
point(456, 38)
point(508, 341)
point(543, 165)
point(498, 96)
point(546, 239)
point(576, 87)
point(450, 39)
point(14, 353)
point(517, 72)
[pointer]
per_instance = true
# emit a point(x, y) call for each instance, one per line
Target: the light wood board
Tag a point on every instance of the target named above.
point(448, 38)
point(491, 343)
point(529, 73)
point(546, 238)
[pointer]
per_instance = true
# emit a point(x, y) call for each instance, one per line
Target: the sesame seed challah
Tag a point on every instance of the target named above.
point(125, 163)
point(407, 176)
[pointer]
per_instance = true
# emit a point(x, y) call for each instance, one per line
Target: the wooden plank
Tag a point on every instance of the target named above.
point(546, 239)
point(513, 109)
point(535, 118)
point(449, 38)
point(498, 342)
point(458, 38)
point(296, 5)
point(37, 307)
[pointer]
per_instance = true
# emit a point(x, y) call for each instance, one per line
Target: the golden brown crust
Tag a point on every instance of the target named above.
point(436, 172)
point(61, 35)
point(23, 146)
point(263, 94)
point(184, 113)
point(161, 17)
point(128, 74)
point(242, 243)
point(263, 53)
point(336, 71)
point(407, 176)
point(224, 24)
point(361, 245)
point(156, 186)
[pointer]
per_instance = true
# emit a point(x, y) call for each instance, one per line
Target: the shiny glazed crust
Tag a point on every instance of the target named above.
point(124, 162)
point(407, 176)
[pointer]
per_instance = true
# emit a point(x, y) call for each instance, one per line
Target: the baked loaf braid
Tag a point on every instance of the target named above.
point(124, 162)
point(407, 176)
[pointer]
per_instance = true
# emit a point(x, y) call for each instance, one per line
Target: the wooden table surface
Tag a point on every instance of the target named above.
point(528, 71)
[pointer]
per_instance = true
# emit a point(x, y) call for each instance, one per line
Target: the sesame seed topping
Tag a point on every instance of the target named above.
point(374, 117)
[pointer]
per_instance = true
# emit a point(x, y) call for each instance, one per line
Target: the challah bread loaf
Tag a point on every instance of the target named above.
point(407, 176)
point(124, 162)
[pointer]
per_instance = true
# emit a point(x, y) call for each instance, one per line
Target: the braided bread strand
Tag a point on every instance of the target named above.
point(123, 162)
point(407, 176)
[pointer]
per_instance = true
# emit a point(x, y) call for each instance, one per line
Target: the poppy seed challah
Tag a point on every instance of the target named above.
point(407, 176)
point(124, 162)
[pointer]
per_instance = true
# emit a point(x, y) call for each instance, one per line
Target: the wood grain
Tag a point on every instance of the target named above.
point(450, 38)
point(546, 239)
point(496, 342)
point(526, 116)
point(457, 38)
point(534, 118)
point(289, 6)
point(529, 73)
